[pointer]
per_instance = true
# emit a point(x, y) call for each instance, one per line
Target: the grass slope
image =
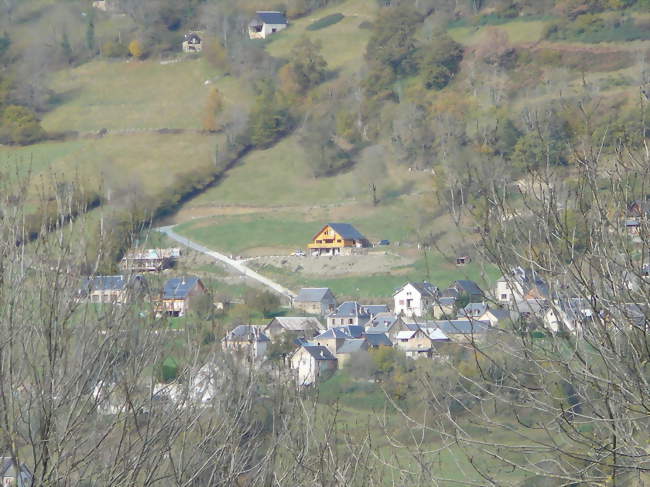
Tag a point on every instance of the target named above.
point(135, 95)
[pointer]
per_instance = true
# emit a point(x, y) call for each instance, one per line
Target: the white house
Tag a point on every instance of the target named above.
point(415, 298)
point(266, 23)
point(310, 362)
point(13, 474)
point(519, 285)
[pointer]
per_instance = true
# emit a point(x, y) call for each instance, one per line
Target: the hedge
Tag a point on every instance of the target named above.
point(326, 21)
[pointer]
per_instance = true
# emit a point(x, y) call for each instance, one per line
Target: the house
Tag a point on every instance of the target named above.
point(530, 308)
point(378, 340)
point(106, 5)
point(311, 362)
point(350, 347)
point(415, 298)
point(337, 239)
point(192, 42)
point(112, 289)
point(382, 323)
point(178, 294)
point(315, 300)
point(444, 307)
point(247, 340)
point(266, 23)
point(13, 475)
point(520, 284)
point(568, 315)
point(466, 288)
point(149, 260)
point(463, 260)
point(296, 326)
point(419, 342)
point(483, 312)
point(349, 313)
point(462, 330)
point(334, 338)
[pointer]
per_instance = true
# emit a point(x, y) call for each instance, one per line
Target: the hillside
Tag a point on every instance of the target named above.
point(133, 132)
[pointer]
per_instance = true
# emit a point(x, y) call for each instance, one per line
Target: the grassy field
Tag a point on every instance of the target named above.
point(344, 43)
point(135, 95)
point(518, 32)
point(146, 163)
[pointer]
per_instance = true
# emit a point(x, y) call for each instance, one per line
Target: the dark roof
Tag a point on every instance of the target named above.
point(463, 327)
point(297, 323)
point(347, 231)
point(473, 309)
point(312, 294)
point(271, 17)
point(350, 309)
point(247, 332)
point(446, 301)
point(319, 352)
point(353, 345)
point(354, 331)
point(467, 286)
point(109, 283)
point(425, 288)
point(179, 287)
point(378, 340)
point(375, 309)
point(333, 333)
point(193, 37)
point(8, 469)
point(450, 292)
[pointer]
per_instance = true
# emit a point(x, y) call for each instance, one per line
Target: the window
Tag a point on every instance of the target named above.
point(274, 30)
point(350, 321)
point(504, 296)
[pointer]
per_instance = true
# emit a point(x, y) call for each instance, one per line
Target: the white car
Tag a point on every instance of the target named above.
point(299, 253)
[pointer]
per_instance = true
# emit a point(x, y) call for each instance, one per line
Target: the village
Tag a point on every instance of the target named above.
point(316, 334)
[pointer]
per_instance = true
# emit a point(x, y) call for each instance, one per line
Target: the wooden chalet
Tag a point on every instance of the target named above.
point(337, 239)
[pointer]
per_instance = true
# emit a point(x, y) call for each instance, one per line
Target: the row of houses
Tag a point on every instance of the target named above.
point(175, 298)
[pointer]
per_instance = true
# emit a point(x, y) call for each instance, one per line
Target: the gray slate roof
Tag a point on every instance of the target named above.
point(462, 327)
point(312, 294)
point(319, 352)
point(347, 231)
point(247, 332)
point(424, 288)
point(350, 309)
point(332, 333)
point(104, 283)
point(271, 17)
point(179, 287)
point(375, 309)
point(353, 345)
point(298, 323)
point(378, 340)
point(467, 286)
point(8, 469)
point(474, 309)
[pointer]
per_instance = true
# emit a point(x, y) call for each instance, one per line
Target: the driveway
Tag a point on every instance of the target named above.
point(237, 265)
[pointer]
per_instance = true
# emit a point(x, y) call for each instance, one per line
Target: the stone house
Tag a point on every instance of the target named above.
point(266, 23)
point(519, 285)
point(315, 300)
point(247, 340)
point(296, 326)
point(112, 289)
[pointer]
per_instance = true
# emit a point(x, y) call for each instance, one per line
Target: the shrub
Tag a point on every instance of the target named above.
point(136, 49)
point(326, 21)
point(20, 125)
point(366, 25)
point(114, 49)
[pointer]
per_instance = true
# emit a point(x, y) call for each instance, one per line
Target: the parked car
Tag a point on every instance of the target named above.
point(299, 253)
point(383, 242)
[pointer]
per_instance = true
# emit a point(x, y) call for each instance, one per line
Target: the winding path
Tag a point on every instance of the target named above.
point(237, 265)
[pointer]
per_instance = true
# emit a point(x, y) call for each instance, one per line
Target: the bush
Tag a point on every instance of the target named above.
point(326, 21)
point(136, 49)
point(20, 125)
point(114, 49)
